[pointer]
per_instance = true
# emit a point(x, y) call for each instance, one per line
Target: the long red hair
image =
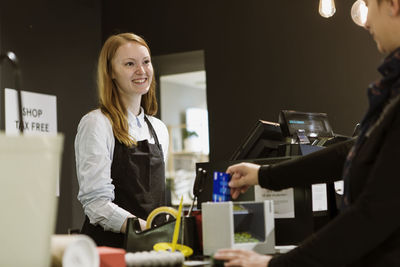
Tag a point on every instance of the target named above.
point(109, 97)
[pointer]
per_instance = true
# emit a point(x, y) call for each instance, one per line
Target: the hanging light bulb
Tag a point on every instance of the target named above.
point(327, 8)
point(359, 12)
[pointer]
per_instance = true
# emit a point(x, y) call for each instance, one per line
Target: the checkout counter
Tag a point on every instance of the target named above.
point(260, 219)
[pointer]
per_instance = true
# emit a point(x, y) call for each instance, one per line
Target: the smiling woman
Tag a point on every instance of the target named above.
point(110, 98)
point(120, 148)
point(132, 73)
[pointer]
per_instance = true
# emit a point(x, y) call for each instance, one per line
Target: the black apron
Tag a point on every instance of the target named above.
point(138, 174)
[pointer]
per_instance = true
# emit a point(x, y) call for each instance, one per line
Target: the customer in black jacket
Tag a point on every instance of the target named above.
point(367, 232)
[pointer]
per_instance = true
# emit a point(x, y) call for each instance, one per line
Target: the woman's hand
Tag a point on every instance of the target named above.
point(238, 257)
point(141, 222)
point(243, 175)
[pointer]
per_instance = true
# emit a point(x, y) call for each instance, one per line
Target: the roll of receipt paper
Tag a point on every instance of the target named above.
point(73, 251)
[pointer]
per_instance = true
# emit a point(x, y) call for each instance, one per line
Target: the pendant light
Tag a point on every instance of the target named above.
point(359, 12)
point(327, 8)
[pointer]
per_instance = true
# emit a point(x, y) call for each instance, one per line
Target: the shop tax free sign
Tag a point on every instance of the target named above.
point(39, 112)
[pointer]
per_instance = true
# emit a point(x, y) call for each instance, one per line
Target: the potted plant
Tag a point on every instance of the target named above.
point(189, 140)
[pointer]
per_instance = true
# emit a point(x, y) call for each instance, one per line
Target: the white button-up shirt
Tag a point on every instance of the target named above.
point(94, 150)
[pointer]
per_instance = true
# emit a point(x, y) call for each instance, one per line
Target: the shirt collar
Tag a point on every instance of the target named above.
point(136, 120)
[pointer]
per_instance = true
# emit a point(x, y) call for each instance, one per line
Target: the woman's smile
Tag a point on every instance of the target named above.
point(139, 81)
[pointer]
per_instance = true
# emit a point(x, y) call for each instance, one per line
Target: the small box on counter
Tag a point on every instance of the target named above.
point(240, 225)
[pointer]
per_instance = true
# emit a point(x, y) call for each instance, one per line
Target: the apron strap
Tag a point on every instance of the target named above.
point(152, 131)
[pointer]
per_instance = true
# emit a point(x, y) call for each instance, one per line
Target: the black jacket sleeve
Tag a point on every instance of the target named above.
point(323, 166)
point(369, 226)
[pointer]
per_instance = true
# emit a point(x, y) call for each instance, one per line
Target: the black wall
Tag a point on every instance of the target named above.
point(57, 43)
point(260, 57)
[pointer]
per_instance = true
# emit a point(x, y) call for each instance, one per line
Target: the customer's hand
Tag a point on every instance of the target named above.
point(238, 257)
point(243, 175)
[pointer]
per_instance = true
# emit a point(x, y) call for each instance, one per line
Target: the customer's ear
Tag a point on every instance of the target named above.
point(394, 8)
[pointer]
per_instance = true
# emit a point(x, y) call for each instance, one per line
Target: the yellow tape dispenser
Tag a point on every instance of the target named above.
point(161, 210)
point(185, 250)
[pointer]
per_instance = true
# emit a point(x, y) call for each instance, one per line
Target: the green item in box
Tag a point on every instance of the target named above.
point(245, 237)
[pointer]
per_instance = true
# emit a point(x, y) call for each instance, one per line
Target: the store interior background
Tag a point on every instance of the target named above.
point(259, 56)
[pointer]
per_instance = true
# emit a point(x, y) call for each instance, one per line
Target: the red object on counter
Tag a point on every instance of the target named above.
point(199, 225)
point(111, 257)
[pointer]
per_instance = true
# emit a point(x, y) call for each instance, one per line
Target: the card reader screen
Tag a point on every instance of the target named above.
point(314, 124)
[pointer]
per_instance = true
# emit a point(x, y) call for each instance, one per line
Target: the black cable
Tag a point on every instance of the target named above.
point(12, 58)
